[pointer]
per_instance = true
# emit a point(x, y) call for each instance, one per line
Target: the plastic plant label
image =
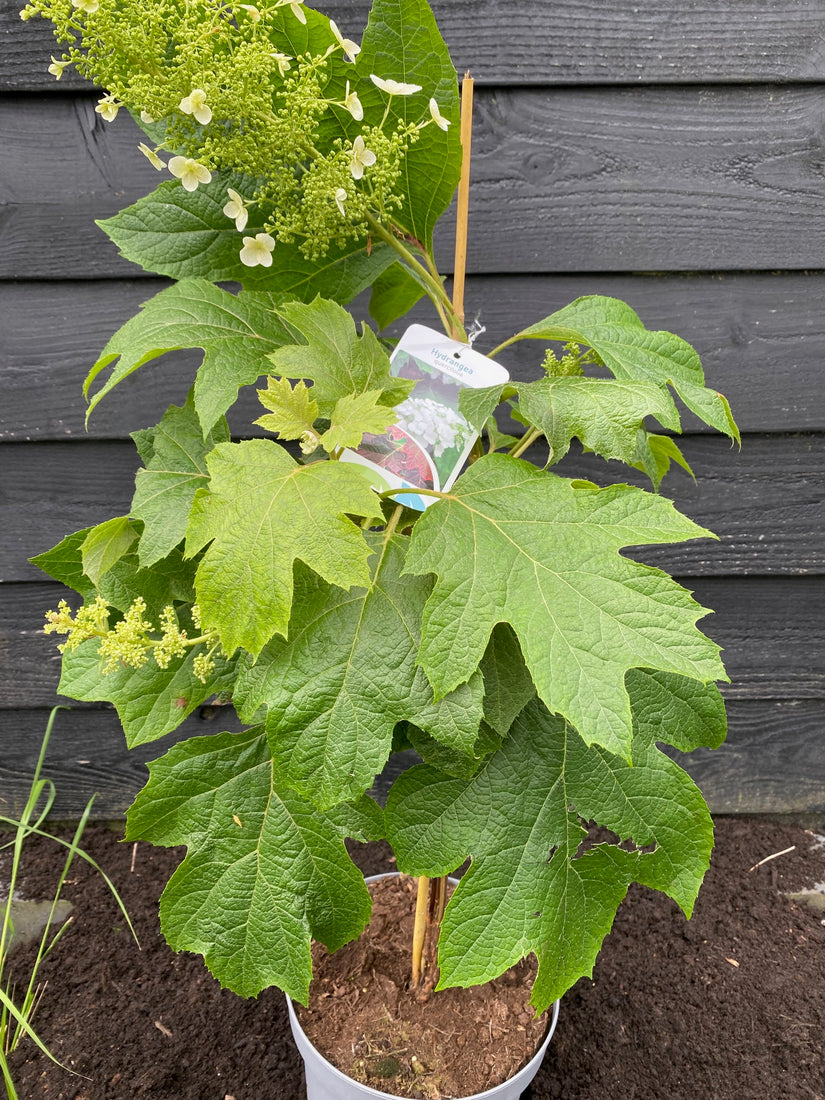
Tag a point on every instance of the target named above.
point(429, 444)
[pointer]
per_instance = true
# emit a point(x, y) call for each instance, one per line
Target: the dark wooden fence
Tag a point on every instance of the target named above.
point(665, 152)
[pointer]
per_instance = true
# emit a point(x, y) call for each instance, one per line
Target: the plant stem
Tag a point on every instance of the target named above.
point(529, 437)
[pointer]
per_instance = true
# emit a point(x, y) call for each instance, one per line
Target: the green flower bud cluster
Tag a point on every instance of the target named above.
point(571, 363)
point(91, 621)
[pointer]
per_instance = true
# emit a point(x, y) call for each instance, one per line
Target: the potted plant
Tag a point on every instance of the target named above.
point(494, 624)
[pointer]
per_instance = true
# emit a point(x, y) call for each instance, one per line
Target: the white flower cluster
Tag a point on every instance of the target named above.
point(436, 425)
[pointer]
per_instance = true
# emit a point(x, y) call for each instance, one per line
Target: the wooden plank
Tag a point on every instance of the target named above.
point(570, 180)
point(557, 41)
point(761, 340)
point(772, 630)
point(764, 503)
point(772, 762)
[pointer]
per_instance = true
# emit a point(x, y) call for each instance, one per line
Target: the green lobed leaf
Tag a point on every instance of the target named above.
point(64, 563)
point(264, 873)
point(292, 410)
point(528, 888)
point(185, 235)
point(236, 332)
point(150, 701)
point(511, 543)
point(632, 353)
point(330, 721)
point(448, 760)
point(105, 544)
point(394, 293)
point(654, 454)
point(604, 414)
point(402, 42)
point(261, 512)
point(176, 468)
point(508, 686)
point(354, 415)
point(335, 358)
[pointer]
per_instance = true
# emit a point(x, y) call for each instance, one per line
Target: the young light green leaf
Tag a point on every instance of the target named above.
point(527, 889)
point(104, 545)
point(292, 410)
point(185, 235)
point(632, 353)
point(150, 701)
point(335, 358)
point(261, 513)
point(265, 872)
point(654, 454)
point(165, 489)
point(604, 414)
point(331, 727)
point(511, 543)
point(236, 332)
point(403, 35)
point(354, 415)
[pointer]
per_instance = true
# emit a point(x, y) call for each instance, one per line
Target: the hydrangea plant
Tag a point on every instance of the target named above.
point(502, 632)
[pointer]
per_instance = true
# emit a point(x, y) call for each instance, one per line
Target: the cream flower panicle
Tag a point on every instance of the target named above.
point(394, 87)
point(350, 48)
point(195, 104)
point(353, 104)
point(189, 172)
point(108, 107)
point(282, 60)
point(152, 156)
point(258, 250)
point(89, 6)
point(56, 68)
point(340, 199)
point(236, 209)
point(361, 158)
point(437, 117)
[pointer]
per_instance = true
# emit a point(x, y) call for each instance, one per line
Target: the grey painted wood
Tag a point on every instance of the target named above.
point(559, 41)
point(772, 630)
point(761, 338)
point(764, 503)
point(568, 180)
point(772, 762)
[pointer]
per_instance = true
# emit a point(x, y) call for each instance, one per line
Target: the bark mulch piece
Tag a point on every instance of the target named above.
point(731, 1004)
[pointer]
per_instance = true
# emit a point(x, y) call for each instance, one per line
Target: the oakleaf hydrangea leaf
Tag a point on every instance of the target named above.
point(330, 724)
point(394, 293)
point(335, 357)
point(292, 410)
point(528, 888)
point(654, 454)
point(261, 512)
point(150, 701)
point(632, 353)
point(604, 414)
point(508, 686)
point(236, 332)
point(354, 415)
point(185, 235)
point(176, 469)
point(105, 545)
point(265, 872)
point(64, 563)
point(514, 544)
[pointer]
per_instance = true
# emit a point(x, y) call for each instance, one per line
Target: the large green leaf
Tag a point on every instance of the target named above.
point(185, 235)
point(150, 701)
point(335, 358)
point(402, 42)
point(632, 353)
point(261, 513)
point(519, 818)
point(175, 470)
point(265, 872)
point(236, 332)
point(511, 543)
point(330, 721)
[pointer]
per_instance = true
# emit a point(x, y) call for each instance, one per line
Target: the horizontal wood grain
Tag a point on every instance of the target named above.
point(772, 762)
point(772, 630)
point(565, 180)
point(761, 338)
point(557, 41)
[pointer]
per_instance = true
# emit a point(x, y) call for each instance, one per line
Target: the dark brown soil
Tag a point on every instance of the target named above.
point(455, 1043)
point(729, 1005)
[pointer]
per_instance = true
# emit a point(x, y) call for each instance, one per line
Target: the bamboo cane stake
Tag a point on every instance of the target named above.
point(419, 930)
point(460, 264)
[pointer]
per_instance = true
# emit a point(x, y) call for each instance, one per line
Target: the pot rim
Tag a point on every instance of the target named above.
point(533, 1064)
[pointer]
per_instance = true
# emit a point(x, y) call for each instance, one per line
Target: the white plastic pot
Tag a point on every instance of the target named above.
point(325, 1082)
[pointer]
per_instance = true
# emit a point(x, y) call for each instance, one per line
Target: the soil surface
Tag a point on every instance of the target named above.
point(727, 1005)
